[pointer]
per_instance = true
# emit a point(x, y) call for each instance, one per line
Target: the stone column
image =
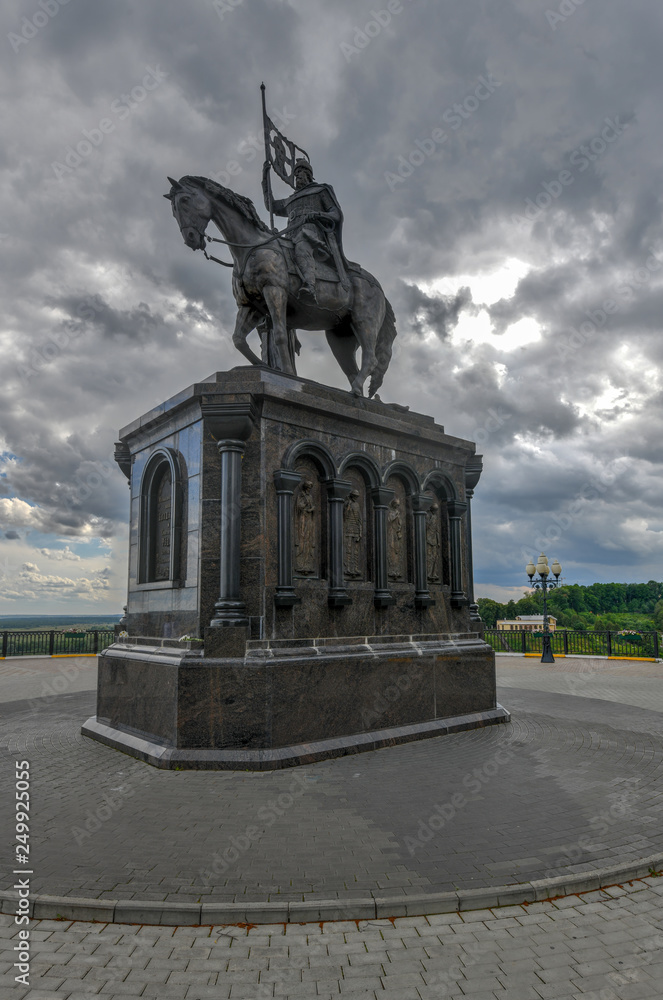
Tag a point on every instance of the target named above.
point(230, 609)
point(285, 482)
point(381, 497)
point(338, 491)
point(456, 510)
point(473, 472)
point(421, 504)
point(231, 425)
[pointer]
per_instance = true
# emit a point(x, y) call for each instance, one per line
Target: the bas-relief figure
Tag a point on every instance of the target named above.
point(395, 540)
point(305, 547)
point(352, 536)
point(296, 279)
point(433, 539)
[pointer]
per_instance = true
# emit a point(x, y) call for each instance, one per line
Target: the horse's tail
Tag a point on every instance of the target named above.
point(386, 336)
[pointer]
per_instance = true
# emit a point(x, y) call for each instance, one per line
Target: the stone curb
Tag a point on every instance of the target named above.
point(582, 656)
point(135, 911)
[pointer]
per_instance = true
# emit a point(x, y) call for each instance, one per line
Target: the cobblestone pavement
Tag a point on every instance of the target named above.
point(39, 679)
point(573, 784)
point(639, 684)
point(605, 945)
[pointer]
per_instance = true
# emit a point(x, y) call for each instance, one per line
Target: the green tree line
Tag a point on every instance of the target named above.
point(600, 606)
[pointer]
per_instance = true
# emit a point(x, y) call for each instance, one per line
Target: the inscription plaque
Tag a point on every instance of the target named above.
point(162, 533)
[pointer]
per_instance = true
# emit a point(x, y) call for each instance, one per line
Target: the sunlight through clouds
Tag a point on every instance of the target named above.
point(487, 287)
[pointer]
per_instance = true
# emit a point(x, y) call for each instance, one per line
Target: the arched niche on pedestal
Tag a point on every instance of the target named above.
point(451, 510)
point(401, 557)
point(315, 467)
point(160, 522)
point(360, 543)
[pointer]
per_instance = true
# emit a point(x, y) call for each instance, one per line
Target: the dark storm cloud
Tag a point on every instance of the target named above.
point(91, 309)
point(99, 237)
point(434, 312)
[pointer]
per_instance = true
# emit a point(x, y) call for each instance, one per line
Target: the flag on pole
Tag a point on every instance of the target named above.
point(280, 152)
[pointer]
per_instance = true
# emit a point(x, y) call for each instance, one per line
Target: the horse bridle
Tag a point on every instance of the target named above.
point(253, 246)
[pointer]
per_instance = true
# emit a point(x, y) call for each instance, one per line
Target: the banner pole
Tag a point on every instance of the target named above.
point(268, 158)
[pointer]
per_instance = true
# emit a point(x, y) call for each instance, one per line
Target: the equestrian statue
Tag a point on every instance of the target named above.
point(298, 278)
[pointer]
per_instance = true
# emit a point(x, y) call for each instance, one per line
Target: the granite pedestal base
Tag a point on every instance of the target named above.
point(289, 702)
point(265, 502)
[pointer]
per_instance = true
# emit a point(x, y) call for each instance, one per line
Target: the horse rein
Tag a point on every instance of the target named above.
point(249, 246)
point(245, 246)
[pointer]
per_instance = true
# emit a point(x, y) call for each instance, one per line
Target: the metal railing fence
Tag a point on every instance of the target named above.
point(569, 643)
point(54, 643)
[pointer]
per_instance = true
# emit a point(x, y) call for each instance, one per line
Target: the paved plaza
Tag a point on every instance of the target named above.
point(604, 945)
point(572, 785)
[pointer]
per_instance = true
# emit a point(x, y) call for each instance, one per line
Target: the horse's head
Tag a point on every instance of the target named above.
point(192, 210)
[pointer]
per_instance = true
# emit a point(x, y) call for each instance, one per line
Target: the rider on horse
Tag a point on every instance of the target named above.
point(314, 214)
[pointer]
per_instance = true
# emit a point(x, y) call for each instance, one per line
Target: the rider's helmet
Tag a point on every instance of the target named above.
point(302, 165)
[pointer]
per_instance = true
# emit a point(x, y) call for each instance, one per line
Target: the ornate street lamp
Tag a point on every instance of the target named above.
point(544, 584)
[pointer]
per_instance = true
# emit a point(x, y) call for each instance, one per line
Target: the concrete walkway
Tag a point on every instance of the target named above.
point(573, 786)
point(600, 946)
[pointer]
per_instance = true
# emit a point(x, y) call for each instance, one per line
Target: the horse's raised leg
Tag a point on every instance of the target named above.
point(344, 349)
point(366, 318)
point(277, 301)
point(247, 320)
point(366, 333)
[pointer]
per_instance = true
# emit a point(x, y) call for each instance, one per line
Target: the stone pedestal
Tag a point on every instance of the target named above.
point(270, 515)
point(280, 704)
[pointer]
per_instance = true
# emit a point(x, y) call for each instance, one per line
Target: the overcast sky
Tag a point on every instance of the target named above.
point(499, 165)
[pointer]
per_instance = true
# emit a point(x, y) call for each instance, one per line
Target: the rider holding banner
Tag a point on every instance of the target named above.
point(313, 212)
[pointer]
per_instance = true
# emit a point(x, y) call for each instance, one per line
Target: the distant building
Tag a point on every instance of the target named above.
point(527, 623)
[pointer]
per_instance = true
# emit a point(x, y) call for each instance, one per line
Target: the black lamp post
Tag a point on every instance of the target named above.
point(544, 584)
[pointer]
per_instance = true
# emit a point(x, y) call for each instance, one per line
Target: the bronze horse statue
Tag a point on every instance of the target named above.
point(266, 286)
